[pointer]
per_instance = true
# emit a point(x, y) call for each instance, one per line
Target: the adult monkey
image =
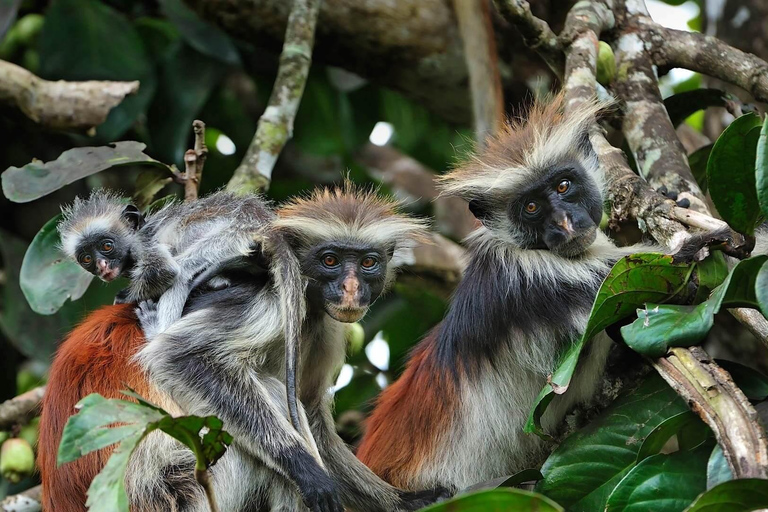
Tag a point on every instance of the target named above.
point(225, 357)
point(455, 417)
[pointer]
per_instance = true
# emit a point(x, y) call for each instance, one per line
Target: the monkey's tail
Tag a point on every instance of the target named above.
point(286, 270)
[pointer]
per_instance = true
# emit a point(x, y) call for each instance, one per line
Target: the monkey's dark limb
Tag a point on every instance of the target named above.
point(276, 124)
point(715, 398)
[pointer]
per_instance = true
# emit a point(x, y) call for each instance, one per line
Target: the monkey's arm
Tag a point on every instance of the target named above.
point(205, 383)
point(360, 488)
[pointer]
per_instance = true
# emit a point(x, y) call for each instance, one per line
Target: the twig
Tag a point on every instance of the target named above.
point(201, 475)
point(536, 32)
point(483, 64)
point(753, 321)
point(711, 393)
point(21, 409)
point(26, 501)
point(194, 161)
point(276, 124)
point(61, 105)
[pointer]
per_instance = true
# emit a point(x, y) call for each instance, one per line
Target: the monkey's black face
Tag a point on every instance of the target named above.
point(345, 279)
point(101, 255)
point(561, 213)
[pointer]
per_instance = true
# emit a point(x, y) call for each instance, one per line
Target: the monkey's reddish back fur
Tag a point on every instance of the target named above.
point(95, 358)
point(396, 443)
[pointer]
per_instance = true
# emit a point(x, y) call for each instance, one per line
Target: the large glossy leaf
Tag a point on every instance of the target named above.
point(585, 468)
point(48, 278)
point(659, 327)
point(88, 40)
point(89, 430)
point(761, 169)
point(633, 281)
point(753, 383)
point(761, 288)
point(37, 179)
point(201, 35)
point(731, 174)
point(742, 495)
point(656, 440)
point(662, 483)
point(497, 500)
point(718, 470)
point(698, 163)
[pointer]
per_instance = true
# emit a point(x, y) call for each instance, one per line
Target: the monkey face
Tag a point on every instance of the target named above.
point(345, 279)
point(103, 256)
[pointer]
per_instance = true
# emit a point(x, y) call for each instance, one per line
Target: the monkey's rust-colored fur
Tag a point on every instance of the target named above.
point(95, 358)
point(395, 450)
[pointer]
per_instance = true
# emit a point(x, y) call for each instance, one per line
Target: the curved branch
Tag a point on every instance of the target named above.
point(20, 409)
point(276, 123)
point(61, 105)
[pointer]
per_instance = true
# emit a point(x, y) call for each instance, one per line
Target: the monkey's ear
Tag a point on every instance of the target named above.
point(479, 209)
point(133, 216)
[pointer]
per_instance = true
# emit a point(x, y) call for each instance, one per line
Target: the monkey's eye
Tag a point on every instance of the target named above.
point(531, 207)
point(330, 260)
point(85, 259)
point(563, 186)
point(107, 245)
point(368, 262)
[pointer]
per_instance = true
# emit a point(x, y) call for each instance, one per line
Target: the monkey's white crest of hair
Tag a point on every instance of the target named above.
point(524, 148)
point(352, 214)
point(102, 211)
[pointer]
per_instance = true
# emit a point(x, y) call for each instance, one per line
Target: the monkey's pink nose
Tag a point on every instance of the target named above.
point(102, 266)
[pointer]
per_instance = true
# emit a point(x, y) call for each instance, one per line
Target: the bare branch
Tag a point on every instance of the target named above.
point(21, 409)
point(536, 32)
point(753, 321)
point(27, 501)
point(483, 65)
point(276, 123)
point(194, 161)
point(711, 393)
point(61, 105)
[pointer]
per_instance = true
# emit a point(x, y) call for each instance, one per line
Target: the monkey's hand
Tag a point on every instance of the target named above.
point(121, 297)
point(146, 312)
point(320, 494)
point(414, 500)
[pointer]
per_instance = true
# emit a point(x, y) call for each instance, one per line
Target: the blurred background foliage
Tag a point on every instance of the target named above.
point(189, 70)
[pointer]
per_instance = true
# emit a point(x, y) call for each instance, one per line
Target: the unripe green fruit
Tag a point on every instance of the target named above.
point(3, 436)
point(355, 336)
point(28, 27)
point(17, 460)
point(606, 64)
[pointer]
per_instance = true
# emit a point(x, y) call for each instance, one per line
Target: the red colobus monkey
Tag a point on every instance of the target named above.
point(455, 417)
point(225, 357)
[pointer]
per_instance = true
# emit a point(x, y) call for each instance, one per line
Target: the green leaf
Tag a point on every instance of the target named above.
point(526, 475)
point(497, 500)
point(89, 40)
point(698, 164)
point(659, 327)
point(753, 383)
point(662, 483)
point(743, 495)
point(37, 179)
point(663, 432)
point(633, 281)
point(718, 470)
point(89, 430)
point(761, 169)
point(681, 105)
point(731, 174)
point(761, 288)
point(201, 35)
point(148, 184)
point(713, 270)
point(48, 278)
point(586, 466)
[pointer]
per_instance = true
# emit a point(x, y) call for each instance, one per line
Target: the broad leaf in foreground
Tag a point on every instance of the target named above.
point(497, 500)
point(742, 495)
point(633, 281)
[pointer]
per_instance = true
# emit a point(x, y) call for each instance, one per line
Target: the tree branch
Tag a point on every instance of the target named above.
point(61, 105)
point(21, 409)
point(27, 501)
point(276, 123)
point(194, 161)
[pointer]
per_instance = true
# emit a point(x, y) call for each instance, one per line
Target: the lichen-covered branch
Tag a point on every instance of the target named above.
point(194, 161)
point(276, 123)
point(536, 32)
point(20, 409)
point(61, 105)
point(711, 393)
point(483, 64)
point(27, 501)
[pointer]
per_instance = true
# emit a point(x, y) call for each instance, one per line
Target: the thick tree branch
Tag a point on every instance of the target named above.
point(276, 123)
point(27, 501)
point(61, 105)
point(536, 32)
point(21, 409)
